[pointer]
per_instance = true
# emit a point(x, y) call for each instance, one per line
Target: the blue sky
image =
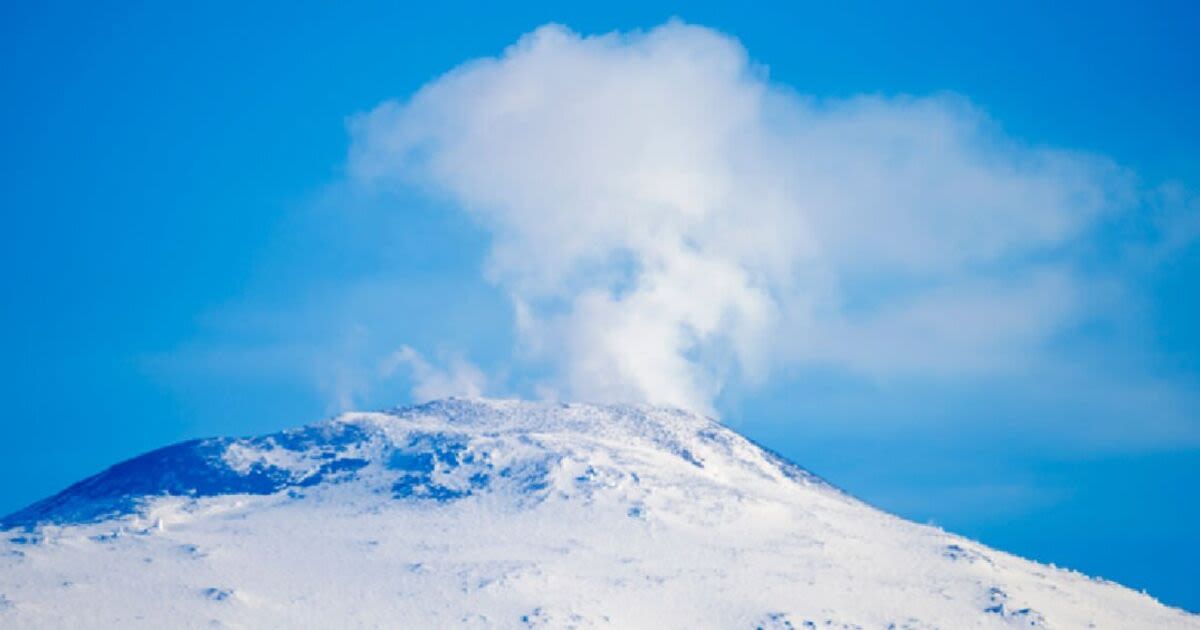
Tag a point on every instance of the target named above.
point(190, 252)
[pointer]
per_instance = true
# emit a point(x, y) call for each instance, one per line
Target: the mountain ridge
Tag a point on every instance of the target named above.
point(192, 468)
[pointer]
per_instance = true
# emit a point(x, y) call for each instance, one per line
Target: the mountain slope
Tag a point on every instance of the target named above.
point(511, 514)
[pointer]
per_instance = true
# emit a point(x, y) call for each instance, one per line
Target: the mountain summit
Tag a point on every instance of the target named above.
point(511, 514)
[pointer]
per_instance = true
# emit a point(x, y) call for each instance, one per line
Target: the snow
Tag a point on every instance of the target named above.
point(483, 513)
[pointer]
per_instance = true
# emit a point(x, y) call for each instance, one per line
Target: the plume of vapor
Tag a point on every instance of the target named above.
point(667, 220)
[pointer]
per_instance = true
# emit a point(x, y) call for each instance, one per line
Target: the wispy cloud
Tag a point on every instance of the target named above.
point(430, 382)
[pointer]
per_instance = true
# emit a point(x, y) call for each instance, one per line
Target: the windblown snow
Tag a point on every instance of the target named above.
point(511, 514)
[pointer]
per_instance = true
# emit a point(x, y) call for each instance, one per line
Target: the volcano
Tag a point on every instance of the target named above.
point(490, 513)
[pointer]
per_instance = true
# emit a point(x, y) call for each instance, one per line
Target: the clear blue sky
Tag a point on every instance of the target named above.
point(176, 233)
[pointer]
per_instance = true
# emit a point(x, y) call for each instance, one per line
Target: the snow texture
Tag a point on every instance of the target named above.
point(511, 514)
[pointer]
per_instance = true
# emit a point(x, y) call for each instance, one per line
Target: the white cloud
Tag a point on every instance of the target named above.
point(667, 220)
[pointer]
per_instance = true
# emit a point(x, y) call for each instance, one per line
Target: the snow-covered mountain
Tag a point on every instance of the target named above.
point(511, 514)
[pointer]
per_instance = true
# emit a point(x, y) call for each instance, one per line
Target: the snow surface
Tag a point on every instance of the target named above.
point(511, 514)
